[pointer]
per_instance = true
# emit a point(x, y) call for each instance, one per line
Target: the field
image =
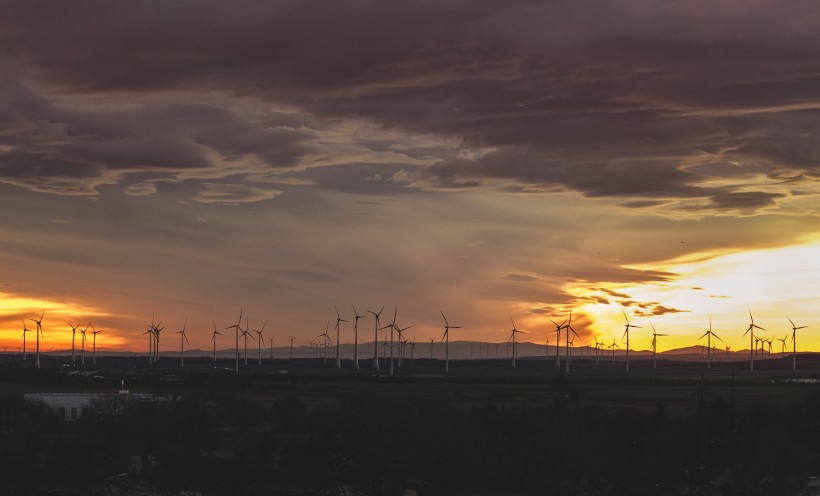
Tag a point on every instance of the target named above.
point(484, 428)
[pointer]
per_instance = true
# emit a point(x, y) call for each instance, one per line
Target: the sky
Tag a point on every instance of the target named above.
point(185, 160)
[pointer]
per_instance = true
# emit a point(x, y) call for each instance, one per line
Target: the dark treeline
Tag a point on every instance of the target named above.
point(219, 437)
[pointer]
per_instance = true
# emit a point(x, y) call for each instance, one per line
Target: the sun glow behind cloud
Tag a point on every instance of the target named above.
point(771, 283)
point(58, 317)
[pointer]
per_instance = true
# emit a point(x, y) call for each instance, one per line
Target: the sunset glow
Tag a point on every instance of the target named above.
point(527, 160)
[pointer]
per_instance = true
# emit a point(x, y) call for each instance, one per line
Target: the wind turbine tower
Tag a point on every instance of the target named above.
point(376, 316)
point(751, 332)
point(708, 335)
point(259, 343)
point(568, 328)
point(183, 338)
point(446, 339)
point(655, 336)
point(626, 334)
point(82, 346)
point(73, 334)
point(37, 333)
point(339, 320)
point(213, 338)
point(236, 327)
point(794, 343)
point(94, 333)
point(25, 330)
point(512, 337)
point(558, 328)
point(356, 318)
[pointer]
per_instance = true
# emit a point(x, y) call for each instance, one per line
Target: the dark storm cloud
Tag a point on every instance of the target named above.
point(356, 178)
point(638, 99)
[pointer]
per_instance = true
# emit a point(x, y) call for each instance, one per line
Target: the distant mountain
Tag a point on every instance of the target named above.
point(458, 350)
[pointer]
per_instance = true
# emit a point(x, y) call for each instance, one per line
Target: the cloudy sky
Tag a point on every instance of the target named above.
point(186, 160)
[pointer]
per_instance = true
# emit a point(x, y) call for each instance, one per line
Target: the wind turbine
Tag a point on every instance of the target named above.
point(237, 327)
point(291, 347)
point(259, 343)
point(73, 334)
point(183, 338)
point(376, 339)
point(626, 333)
point(25, 330)
point(245, 333)
point(82, 343)
point(37, 333)
point(356, 318)
point(558, 328)
point(708, 335)
point(271, 346)
point(446, 339)
point(432, 340)
point(655, 344)
point(568, 328)
point(392, 327)
point(150, 333)
point(794, 342)
point(412, 345)
point(614, 346)
point(94, 333)
point(339, 320)
point(326, 337)
point(213, 338)
point(751, 331)
point(399, 331)
point(157, 329)
point(783, 345)
point(512, 337)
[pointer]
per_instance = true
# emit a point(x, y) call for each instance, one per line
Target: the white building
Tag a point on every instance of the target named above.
point(67, 406)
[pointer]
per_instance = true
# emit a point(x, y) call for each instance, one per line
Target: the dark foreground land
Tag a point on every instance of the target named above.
point(482, 429)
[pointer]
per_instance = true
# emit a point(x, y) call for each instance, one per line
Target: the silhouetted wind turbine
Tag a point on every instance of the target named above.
point(73, 334)
point(339, 320)
point(446, 339)
point(708, 335)
point(246, 332)
point(150, 333)
point(568, 328)
point(25, 330)
point(376, 316)
point(82, 343)
point(271, 346)
point(794, 342)
point(626, 333)
point(291, 347)
point(432, 340)
point(157, 329)
point(751, 331)
point(655, 336)
point(412, 345)
point(94, 333)
point(783, 345)
point(356, 318)
point(326, 337)
point(558, 328)
point(392, 327)
point(236, 327)
point(399, 331)
point(37, 333)
point(512, 337)
point(213, 338)
point(183, 338)
point(259, 343)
